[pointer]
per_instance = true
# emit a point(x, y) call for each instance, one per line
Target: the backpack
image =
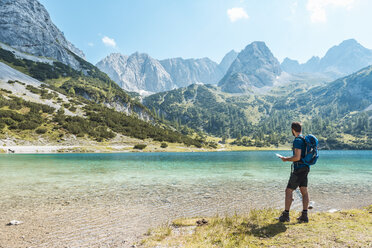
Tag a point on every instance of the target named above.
point(311, 151)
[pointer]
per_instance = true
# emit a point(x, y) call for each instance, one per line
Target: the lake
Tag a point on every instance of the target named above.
point(86, 199)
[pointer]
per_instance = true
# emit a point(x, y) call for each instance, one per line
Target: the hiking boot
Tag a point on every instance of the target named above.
point(303, 218)
point(284, 217)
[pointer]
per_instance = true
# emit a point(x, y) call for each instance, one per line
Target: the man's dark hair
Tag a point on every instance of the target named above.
point(296, 126)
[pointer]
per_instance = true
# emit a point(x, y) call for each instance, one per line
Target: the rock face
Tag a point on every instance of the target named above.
point(254, 67)
point(138, 72)
point(290, 66)
point(189, 71)
point(347, 57)
point(227, 60)
point(141, 73)
point(26, 25)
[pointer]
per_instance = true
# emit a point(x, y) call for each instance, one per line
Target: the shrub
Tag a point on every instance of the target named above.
point(47, 109)
point(6, 91)
point(213, 144)
point(164, 145)
point(140, 146)
point(103, 133)
point(33, 89)
point(46, 95)
point(72, 109)
point(8, 121)
point(41, 130)
point(27, 125)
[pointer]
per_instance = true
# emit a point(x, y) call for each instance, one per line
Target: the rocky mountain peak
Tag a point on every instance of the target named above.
point(138, 72)
point(26, 25)
point(189, 71)
point(340, 60)
point(227, 61)
point(254, 67)
point(131, 71)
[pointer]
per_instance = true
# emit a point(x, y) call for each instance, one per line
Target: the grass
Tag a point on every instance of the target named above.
point(259, 228)
point(58, 82)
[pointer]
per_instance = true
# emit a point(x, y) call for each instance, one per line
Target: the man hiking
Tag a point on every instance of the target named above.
point(298, 176)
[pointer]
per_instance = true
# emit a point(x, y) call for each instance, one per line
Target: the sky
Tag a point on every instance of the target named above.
point(298, 29)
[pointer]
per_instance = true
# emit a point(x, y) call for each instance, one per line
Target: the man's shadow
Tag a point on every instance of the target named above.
point(266, 231)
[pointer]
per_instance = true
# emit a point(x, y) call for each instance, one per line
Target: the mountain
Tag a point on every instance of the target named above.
point(227, 60)
point(312, 65)
point(291, 66)
point(189, 71)
point(26, 26)
point(346, 58)
point(205, 108)
point(141, 73)
point(254, 67)
point(341, 60)
point(339, 113)
point(54, 104)
point(342, 96)
point(137, 72)
point(48, 91)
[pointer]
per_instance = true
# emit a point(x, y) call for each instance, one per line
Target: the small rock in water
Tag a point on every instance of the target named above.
point(14, 222)
point(333, 210)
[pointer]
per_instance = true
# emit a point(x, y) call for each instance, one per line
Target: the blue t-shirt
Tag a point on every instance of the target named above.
point(299, 144)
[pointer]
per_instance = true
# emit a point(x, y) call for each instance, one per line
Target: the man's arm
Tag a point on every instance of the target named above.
point(296, 157)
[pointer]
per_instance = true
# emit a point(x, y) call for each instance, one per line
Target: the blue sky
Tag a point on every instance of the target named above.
point(297, 29)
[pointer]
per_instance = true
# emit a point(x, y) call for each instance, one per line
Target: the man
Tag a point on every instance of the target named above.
point(298, 176)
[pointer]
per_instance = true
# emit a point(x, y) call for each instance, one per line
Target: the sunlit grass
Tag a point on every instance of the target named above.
point(259, 228)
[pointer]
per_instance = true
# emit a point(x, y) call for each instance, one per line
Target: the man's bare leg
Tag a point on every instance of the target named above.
point(305, 197)
point(288, 198)
point(305, 203)
point(288, 201)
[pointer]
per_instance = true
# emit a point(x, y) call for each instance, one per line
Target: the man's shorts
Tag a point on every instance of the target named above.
point(298, 178)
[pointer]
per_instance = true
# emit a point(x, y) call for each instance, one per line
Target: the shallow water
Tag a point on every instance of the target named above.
point(40, 175)
point(139, 190)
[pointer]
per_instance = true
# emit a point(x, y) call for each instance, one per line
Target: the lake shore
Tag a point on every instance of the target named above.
point(34, 149)
point(113, 221)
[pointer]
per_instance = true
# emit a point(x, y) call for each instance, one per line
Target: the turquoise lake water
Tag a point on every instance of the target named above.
point(258, 178)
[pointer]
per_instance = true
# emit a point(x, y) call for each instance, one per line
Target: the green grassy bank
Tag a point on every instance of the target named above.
point(259, 228)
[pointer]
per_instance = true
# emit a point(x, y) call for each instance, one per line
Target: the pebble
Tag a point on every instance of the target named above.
point(14, 222)
point(333, 210)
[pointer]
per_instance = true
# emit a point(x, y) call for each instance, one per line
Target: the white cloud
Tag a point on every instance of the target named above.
point(236, 14)
point(317, 8)
point(108, 41)
point(91, 44)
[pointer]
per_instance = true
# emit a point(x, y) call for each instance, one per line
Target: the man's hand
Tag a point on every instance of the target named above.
point(296, 157)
